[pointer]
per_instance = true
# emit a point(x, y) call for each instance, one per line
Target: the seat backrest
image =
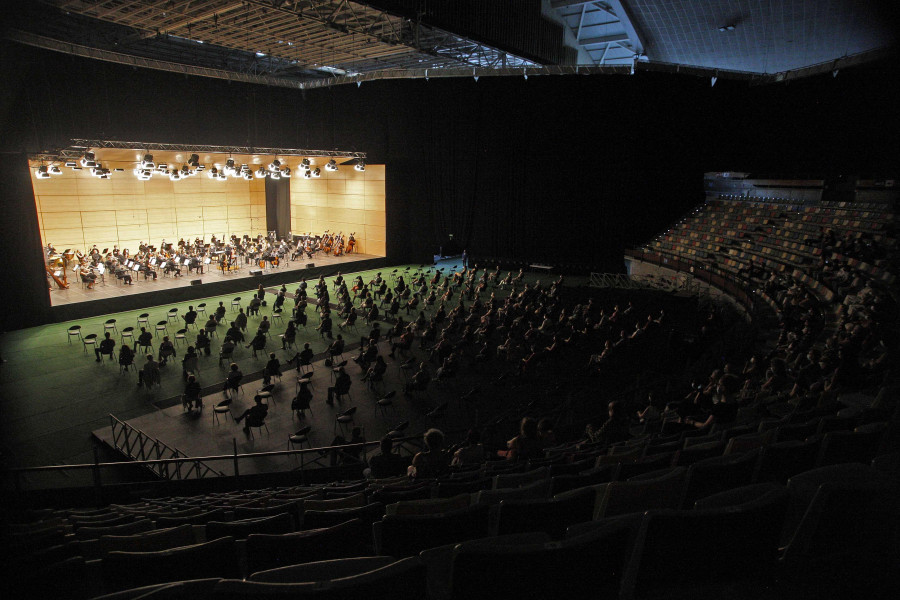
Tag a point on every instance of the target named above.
point(718, 474)
point(551, 516)
point(516, 480)
point(240, 529)
point(354, 501)
point(537, 490)
point(735, 543)
point(341, 541)
point(409, 535)
point(160, 539)
point(217, 558)
point(93, 533)
point(621, 497)
point(323, 570)
point(429, 506)
point(317, 519)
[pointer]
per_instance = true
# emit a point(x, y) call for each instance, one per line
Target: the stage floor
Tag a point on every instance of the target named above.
point(110, 288)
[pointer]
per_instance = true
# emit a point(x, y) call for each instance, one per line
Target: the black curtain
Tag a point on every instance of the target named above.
point(25, 294)
point(278, 206)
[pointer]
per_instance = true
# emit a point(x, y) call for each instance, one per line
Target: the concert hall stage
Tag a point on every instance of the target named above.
point(78, 302)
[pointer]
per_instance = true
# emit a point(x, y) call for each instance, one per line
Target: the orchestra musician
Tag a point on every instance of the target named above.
point(87, 275)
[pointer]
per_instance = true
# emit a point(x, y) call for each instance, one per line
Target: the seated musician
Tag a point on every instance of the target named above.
point(147, 270)
point(171, 266)
point(87, 276)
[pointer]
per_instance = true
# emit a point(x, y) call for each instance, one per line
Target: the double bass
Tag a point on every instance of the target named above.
point(351, 244)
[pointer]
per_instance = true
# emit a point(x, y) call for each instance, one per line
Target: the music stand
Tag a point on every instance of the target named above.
point(207, 260)
point(135, 268)
point(153, 261)
point(105, 250)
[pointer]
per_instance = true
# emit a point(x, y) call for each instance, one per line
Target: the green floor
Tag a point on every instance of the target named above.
point(53, 395)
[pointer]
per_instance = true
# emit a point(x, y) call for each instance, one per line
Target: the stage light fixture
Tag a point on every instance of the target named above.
point(174, 175)
point(275, 175)
point(275, 165)
point(43, 173)
point(162, 168)
point(213, 173)
point(71, 163)
point(247, 175)
point(304, 164)
point(360, 165)
point(148, 163)
point(229, 169)
point(260, 172)
point(317, 172)
point(194, 160)
point(331, 166)
point(88, 160)
point(307, 175)
point(286, 172)
point(54, 170)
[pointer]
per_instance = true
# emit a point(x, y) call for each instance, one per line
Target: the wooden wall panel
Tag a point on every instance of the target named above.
point(78, 210)
point(374, 172)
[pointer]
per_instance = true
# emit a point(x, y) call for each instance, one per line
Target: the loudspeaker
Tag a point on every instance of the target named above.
point(256, 272)
point(196, 281)
point(310, 265)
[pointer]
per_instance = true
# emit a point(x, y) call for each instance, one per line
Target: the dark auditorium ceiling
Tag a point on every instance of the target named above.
point(313, 43)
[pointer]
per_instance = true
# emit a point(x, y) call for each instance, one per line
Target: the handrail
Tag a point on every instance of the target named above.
point(133, 443)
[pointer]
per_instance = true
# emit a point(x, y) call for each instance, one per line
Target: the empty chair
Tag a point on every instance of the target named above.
point(448, 489)
point(273, 507)
point(217, 558)
point(738, 495)
point(588, 566)
point(648, 464)
point(692, 454)
point(748, 441)
point(398, 494)
point(398, 580)
point(319, 519)
point(849, 446)
point(537, 490)
point(323, 570)
point(734, 543)
point(172, 314)
point(151, 541)
point(515, 480)
point(551, 516)
point(779, 462)
point(353, 501)
point(341, 541)
point(430, 506)
point(718, 474)
point(73, 331)
point(201, 518)
point(240, 529)
point(564, 483)
point(662, 489)
point(92, 533)
point(797, 432)
point(408, 535)
point(572, 467)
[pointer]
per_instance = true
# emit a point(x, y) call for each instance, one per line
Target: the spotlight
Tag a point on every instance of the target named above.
point(307, 175)
point(147, 163)
point(42, 172)
point(88, 160)
point(228, 169)
point(304, 164)
point(318, 172)
point(162, 168)
point(55, 170)
point(71, 163)
point(275, 175)
point(331, 166)
point(194, 160)
point(174, 175)
point(275, 165)
point(247, 175)
point(360, 165)
point(213, 173)
point(286, 172)
point(260, 172)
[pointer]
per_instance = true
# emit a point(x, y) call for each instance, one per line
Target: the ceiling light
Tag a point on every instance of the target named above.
point(307, 174)
point(55, 170)
point(42, 172)
point(304, 164)
point(147, 163)
point(360, 165)
point(331, 166)
point(275, 165)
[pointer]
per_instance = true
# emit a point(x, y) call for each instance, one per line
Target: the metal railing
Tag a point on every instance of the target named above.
point(153, 453)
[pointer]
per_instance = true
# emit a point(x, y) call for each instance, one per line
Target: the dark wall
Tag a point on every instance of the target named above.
point(554, 168)
point(278, 206)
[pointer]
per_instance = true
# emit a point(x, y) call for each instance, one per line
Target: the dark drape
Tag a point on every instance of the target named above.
point(26, 299)
point(278, 206)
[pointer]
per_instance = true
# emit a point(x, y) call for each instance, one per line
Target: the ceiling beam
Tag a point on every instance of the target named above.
point(604, 39)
